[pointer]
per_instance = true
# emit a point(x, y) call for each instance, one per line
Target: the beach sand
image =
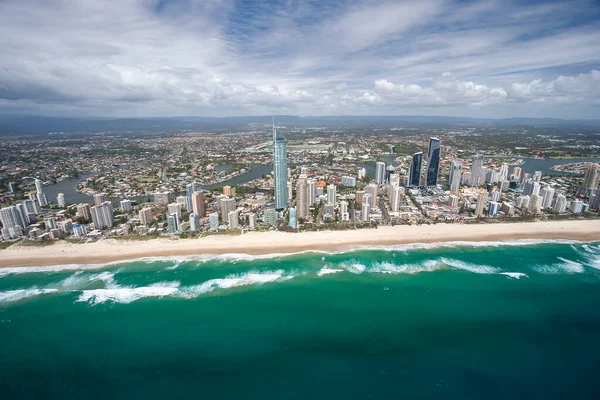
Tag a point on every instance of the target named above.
point(255, 243)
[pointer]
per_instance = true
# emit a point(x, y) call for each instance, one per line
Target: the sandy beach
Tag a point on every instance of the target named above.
point(255, 243)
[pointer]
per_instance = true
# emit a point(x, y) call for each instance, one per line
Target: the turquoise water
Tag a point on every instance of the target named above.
point(492, 321)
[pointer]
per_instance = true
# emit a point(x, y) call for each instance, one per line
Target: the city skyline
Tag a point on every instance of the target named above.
point(182, 57)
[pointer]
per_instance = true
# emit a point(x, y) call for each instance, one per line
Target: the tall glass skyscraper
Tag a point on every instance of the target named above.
point(414, 173)
point(433, 161)
point(190, 189)
point(280, 169)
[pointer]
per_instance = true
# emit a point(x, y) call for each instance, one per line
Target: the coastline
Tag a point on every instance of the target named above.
point(261, 243)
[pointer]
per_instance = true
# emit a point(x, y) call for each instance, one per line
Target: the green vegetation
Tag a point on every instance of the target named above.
point(5, 245)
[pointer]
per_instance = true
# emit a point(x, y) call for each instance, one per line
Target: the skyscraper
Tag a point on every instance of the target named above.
point(146, 216)
point(414, 172)
point(280, 170)
point(41, 196)
point(213, 220)
point(198, 206)
point(172, 223)
point(592, 176)
point(561, 203)
point(312, 191)
point(331, 194)
point(477, 171)
point(547, 194)
point(226, 205)
point(84, 211)
point(371, 189)
point(103, 215)
point(481, 197)
point(293, 218)
point(194, 222)
point(13, 221)
point(233, 219)
point(433, 161)
point(380, 172)
point(190, 189)
point(302, 199)
point(455, 174)
point(175, 208)
point(504, 171)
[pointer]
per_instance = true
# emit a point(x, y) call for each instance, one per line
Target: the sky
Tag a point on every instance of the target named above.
point(150, 58)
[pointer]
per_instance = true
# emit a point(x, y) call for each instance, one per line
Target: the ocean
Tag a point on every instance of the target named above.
point(492, 320)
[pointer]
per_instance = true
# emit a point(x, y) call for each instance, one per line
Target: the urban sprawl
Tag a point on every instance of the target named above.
point(180, 185)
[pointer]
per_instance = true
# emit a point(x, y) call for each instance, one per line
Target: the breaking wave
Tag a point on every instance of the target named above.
point(128, 294)
point(232, 281)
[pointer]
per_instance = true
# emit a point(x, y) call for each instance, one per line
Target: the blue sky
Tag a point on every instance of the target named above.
point(490, 58)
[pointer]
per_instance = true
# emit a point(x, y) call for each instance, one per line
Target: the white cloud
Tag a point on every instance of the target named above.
point(214, 57)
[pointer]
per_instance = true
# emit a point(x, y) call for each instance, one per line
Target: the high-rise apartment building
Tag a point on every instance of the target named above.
point(280, 170)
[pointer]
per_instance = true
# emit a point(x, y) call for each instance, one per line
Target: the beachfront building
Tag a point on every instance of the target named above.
point(79, 230)
point(481, 198)
point(270, 216)
point(213, 221)
point(293, 219)
point(103, 215)
point(194, 222)
point(146, 216)
point(302, 197)
point(172, 223)
point(233, 219)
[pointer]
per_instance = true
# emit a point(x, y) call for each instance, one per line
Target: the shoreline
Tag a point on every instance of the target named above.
point(262, 243)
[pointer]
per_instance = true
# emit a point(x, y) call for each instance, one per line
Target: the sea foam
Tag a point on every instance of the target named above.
point(128, 294)
point(20, 294)
point(232, 281)
point(514, 275)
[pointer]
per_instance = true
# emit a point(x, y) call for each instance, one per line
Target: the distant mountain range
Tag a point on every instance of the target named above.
point(18, 125)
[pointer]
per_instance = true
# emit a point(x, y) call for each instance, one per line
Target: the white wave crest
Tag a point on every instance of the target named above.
point(19, 294)
point(354, 266)
point(390, 268)
point(564, 267)
point(127, 295)
point(475, 268)
point(515, 275)
point(232, 281)
point(327, 271)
